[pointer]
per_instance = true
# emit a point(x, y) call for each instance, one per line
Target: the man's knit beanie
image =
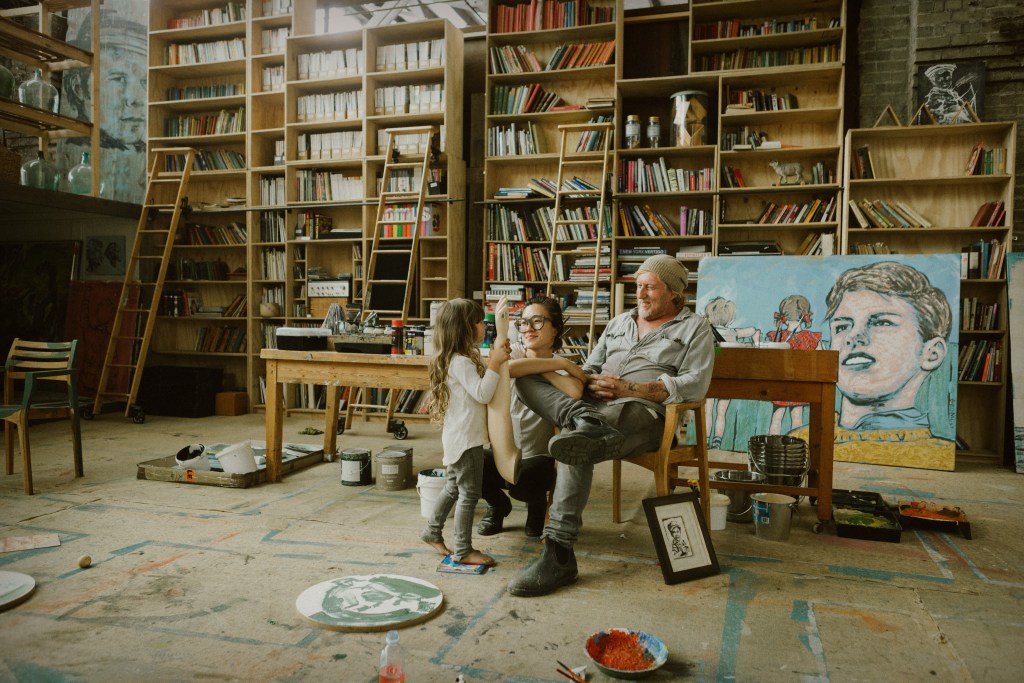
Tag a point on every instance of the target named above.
point(671, 271)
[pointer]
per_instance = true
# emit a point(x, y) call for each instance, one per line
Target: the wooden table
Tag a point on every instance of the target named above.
point(785, 375)
point(756, 374)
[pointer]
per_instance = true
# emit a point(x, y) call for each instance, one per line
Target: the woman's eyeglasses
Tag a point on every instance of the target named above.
point(536, 323)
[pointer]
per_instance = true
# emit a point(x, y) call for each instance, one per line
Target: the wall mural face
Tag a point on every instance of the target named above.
point(123, 91)
point(1015, 278)
point(894, 321)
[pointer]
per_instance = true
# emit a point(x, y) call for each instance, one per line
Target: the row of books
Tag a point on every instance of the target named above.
point(738, 100)
point(220, 339)
point(579, 55)
point(512, 262)
point(422, 54)
point(273, 40)
point(208, 160)
point(330, 63)
point(990, 214)
point(332, 186)
point(222, 123)
point(506, 223)
point(268, 334)
point(412, 143)
point(397, 220)
point(312, 225)
point(272, 226)
point(886, 213)
point(986, 161)
point(587, 228)
point(515, 16)
point(201, 234)
point(273, 265)
point(183, 268)
point(408, 99)
point(655, 175)
point(522, 99)
point(817, 210)
point(212, 16)
point(872, 248)
point(330, 106)
point(745, 58)
point(272, 78)
point(977, 315)
point(276, 8)
point(401, 180)
point(516, 139)
point(203, 92)
point(863, 167)
point(818, 244)
point(733, 28)
point(983, 260)
point(981, 361)
point(645, 221)
point(592, 140)
point(205, 53)
point(732, 176)
point(272, 294)
point(339, 144)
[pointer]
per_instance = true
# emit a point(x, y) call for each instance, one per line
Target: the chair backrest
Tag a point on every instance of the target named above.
point(29, 356)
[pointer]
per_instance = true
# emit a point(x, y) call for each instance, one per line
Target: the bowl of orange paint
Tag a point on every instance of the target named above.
point(626, 653)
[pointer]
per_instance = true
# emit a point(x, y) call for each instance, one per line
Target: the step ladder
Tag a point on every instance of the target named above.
point(166, 200)
point(389, 286)
point(567, 247)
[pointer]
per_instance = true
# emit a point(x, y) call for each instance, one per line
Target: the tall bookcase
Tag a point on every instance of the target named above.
point(947, 186)
point(294, 156)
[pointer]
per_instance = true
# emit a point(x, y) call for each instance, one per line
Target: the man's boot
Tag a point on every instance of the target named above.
point(556, 567)
point(536, 512)
point(592, 440)
point(493, 521)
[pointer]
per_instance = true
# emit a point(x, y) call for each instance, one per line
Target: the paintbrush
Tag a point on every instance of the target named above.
point(569, 673)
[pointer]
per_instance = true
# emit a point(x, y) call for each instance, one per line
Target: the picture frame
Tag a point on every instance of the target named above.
point(104, 258)
point(946, 87)
point(681, 537)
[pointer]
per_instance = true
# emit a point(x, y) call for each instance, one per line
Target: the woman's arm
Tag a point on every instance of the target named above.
point(571, 385)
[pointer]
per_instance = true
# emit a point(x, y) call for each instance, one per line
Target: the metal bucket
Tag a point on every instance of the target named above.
point(392, 470)
point(773, 514)
point(782, 459)
point(355, 467)
point(739, 501)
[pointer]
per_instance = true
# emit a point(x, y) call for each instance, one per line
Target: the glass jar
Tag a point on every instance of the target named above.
point(39, 93)
point(632, 132)
point(80, 177)
point(654, 132)
point(7, 88)
point(40, 173)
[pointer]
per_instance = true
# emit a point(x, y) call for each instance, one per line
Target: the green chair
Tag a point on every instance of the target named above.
point(33, 363)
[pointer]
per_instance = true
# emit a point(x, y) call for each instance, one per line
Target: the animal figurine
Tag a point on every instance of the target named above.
point(788, 170)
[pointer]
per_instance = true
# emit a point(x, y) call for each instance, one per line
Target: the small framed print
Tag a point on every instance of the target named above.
point(681, 537)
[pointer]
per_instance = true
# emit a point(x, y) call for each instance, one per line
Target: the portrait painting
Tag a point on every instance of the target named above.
point(374, 602)
point(894, 321)
point(680, 537)
point(945, 89)
point(104, 257)
point(1015, 279)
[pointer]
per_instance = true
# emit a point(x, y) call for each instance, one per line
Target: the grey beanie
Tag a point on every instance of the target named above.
point(673, 273)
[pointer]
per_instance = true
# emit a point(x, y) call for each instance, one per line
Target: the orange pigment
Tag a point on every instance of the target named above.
point(618, 650)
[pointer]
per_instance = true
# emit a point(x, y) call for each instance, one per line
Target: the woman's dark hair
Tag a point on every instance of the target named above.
point(554, 312)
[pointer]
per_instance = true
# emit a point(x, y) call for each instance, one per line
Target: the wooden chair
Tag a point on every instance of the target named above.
point(665, 461)
point(32, 363)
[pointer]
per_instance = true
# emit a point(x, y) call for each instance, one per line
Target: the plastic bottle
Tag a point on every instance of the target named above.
point(392, 660)
point(491, 333)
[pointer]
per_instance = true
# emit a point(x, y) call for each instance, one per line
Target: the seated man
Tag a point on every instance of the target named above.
point(658, 353)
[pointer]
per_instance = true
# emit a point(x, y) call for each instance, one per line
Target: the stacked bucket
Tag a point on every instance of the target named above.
point(783, 461)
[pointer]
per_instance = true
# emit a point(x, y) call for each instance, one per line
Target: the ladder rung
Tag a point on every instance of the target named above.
point(175, 180)
point(135, 310)
point(392, 194)
point(150, 258)
point(578, 192)
point(391, 251)
point(152, 231)
point(112, 393)
point(159, 207)
point(582, 162)
point(406, 164)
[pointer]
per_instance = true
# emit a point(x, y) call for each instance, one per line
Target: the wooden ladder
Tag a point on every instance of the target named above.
point(151, 254)
point(566, 245)
point(389, 286)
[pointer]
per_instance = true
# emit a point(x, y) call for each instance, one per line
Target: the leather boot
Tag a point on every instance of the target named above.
point(556, 567)
point(592, 440)
point(493, 521)
point(535, 514)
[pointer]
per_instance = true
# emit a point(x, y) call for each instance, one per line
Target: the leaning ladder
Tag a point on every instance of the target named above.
point(162, 210)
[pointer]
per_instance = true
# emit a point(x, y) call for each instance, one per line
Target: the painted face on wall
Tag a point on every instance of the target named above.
point(882, 357)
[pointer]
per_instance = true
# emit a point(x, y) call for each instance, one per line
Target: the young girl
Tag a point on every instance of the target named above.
point(460, 388)
point(792, 325)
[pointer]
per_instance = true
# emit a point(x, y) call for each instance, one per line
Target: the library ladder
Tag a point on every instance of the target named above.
point(166, 200)
point(389, 285)
point(578, 230)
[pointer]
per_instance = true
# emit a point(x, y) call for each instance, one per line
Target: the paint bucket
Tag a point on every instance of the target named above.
point(238, 458)
point(392, 470)
point(429, 484)
point(772, 515)
point(719, 509)
point(739, 501)
point(355, 467)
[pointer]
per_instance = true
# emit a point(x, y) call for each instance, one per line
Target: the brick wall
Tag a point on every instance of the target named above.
point(893, 38)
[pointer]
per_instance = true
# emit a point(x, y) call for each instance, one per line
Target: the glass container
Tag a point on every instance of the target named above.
point(632, 132)
point(7, 88)
point(654, 132)
point(40, 173)
point(39, 93)
point(80, 177)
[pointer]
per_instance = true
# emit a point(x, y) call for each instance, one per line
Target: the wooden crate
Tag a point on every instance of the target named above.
point(164, 469)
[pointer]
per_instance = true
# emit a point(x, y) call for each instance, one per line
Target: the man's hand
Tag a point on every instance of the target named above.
point(575, 371)
point(607, 387)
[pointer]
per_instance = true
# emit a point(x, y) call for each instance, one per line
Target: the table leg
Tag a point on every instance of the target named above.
point(275, 418)
point(826, 450)
point(333, 395)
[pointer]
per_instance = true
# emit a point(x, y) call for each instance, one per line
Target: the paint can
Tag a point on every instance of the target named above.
point(739, 501)
point(773, 513)
point(355, 467)
point(719, 508)
point(429, 485)
point(392, 470)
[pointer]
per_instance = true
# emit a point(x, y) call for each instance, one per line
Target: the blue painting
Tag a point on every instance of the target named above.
point(1015, 280)
point(894, 321)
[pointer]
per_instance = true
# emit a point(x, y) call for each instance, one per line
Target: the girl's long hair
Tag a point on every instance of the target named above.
point(454, 334)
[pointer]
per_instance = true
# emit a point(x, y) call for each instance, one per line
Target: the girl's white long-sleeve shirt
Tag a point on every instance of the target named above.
point(465, 422)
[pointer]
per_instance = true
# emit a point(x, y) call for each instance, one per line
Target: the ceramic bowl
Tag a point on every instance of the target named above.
point(654, 650)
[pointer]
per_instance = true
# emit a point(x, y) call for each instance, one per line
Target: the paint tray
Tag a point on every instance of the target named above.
point(936, 517)
point(864, 515)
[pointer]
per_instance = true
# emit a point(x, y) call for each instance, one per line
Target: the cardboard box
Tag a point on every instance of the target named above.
point(232, 403)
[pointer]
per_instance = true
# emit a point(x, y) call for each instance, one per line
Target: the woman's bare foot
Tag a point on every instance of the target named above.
point(440, 547)
point(477, 557)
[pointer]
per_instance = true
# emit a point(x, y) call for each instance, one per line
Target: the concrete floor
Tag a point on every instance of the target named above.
point(199, 582)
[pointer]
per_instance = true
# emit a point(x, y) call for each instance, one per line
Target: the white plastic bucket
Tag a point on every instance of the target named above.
point(773, 514)
point(238, 458)
point(719, 509)
point(429, 484)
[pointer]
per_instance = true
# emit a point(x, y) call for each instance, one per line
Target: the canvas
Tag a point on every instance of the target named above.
point(944, 88)
point(35, 278)
point(1015, 279)
point(896, 394)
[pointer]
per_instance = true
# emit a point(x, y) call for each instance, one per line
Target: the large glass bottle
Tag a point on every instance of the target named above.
point(39, 93)
point(7, 88)
point(80, 177)
point(40, 173)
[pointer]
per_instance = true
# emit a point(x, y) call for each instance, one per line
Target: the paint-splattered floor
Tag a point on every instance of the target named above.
point(199, 583)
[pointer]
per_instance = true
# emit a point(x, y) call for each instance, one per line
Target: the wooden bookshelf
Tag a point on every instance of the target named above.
point(924, 168)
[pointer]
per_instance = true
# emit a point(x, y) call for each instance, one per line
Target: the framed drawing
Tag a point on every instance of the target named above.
point(680, 537)
point(947, 88)
point(104, 257)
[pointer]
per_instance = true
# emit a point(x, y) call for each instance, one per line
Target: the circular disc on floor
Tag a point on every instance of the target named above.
point(15, 588)
point(372, 602)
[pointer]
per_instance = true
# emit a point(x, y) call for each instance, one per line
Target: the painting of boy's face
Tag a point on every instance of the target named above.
point(881, 352)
